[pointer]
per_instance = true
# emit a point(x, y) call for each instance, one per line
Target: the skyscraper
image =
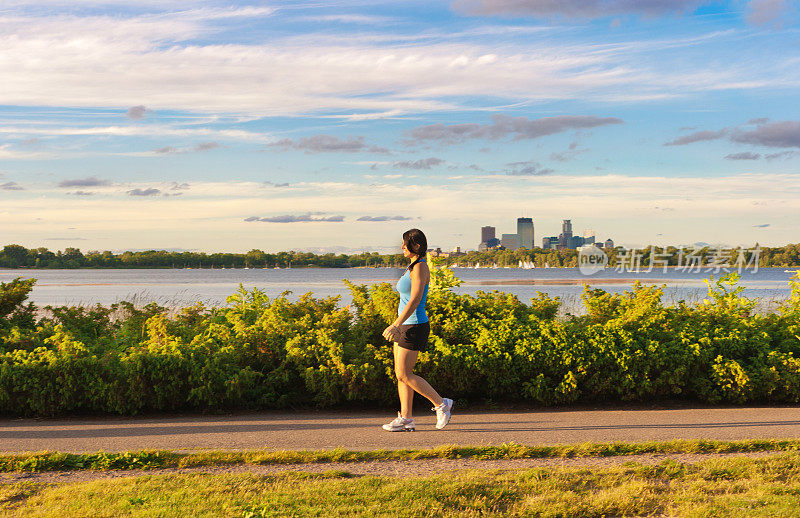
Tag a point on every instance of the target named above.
point(487, 233)
point(550, 243)
point(510, 241)
point(566, 234)
point(525, 232)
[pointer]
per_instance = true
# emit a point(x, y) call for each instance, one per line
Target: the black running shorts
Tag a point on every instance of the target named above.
point(414, 336)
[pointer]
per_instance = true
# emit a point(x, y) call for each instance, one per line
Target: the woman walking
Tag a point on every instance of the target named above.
point(409, 332)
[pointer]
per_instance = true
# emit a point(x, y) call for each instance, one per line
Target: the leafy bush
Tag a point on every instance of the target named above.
point(259, 353)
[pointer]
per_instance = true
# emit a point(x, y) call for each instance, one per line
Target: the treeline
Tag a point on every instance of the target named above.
point(16, 256)
point(788, 255)
point(261, 353)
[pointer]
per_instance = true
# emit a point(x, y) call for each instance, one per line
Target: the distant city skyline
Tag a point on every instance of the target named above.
point(525, 237)
point(226, 126)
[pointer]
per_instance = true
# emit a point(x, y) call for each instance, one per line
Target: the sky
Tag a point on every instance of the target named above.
point(336, 126)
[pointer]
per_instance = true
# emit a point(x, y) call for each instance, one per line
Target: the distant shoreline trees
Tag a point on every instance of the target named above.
point(17, 256)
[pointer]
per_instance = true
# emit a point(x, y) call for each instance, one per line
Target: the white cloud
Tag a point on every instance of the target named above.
point(219, 13)
point(349, 18)
point(95, 3)
point(137, 130)
point(151, 60)
point(210, 216)
point(574, 8)
point(9, 153)
point(612, 196)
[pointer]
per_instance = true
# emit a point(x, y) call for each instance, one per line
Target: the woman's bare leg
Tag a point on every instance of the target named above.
point(405, 392)
point(407, 381)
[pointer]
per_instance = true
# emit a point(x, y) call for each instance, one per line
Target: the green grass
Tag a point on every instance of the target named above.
point(733, 487)
point(51, 461)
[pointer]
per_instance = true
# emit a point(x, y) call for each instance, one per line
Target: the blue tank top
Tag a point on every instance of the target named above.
point(404, 287)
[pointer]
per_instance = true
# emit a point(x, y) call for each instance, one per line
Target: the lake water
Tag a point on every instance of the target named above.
point(185, 287)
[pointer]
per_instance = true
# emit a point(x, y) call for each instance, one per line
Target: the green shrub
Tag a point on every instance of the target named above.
point(258, 353)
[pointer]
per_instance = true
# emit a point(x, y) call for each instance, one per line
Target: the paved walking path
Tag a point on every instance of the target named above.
point(361, 431)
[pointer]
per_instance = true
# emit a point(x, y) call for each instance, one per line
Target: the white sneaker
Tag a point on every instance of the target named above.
point(400, 424)
point(443, 413)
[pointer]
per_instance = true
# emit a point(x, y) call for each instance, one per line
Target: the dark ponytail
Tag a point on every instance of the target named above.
point(415, 242)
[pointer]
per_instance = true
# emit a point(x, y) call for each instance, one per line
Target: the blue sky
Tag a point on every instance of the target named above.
point(336, 126)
